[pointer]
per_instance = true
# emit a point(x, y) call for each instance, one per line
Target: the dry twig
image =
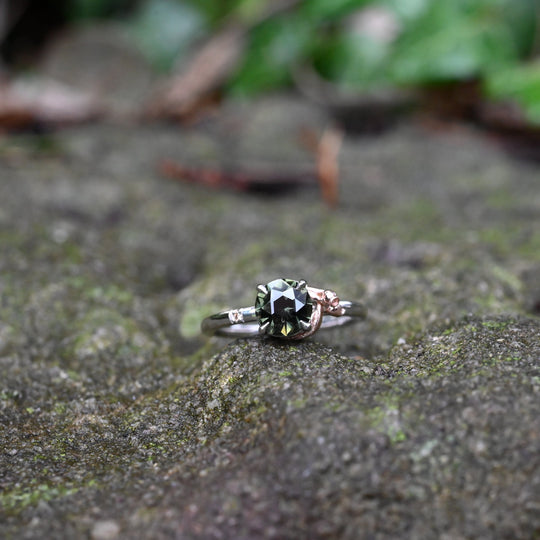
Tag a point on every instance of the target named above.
point(328, 166)
point(262, 181)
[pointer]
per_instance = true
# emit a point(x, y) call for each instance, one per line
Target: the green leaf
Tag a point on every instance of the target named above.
point(164, 30)
point(92, 9)
point(453, 40)
point(213, 11)
point(325, 10)
point(354, 60)
point(275, 46)
point(250, 10)
point(520, 84)
point(522, 18)
point(217, 10)
point(407, 10)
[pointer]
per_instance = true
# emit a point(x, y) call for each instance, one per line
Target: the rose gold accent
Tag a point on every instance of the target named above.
point(326, 302)
point(315, 321)
point(329, 301)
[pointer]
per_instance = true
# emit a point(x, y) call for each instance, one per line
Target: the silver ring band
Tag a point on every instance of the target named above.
point(286, 309)
point(221, 324)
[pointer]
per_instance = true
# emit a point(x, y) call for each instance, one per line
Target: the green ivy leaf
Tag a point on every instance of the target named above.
point(215, 11)
point(164, 29)
point(453, 40)
point(520, 84)
point(325, 10)
point(93, 9)
point(354, 60)
point(275, 46)
point(407, 10)
point(522, 18)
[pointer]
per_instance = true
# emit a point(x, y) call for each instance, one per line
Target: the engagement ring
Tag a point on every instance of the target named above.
point(285, 308)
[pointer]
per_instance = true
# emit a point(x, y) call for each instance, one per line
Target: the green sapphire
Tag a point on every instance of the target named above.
point(284, 307)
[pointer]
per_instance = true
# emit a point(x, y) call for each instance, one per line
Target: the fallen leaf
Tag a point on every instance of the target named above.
point(328, 165)
point(260, 180)
point(42, 101)
point(206, 72)
point(210, 67)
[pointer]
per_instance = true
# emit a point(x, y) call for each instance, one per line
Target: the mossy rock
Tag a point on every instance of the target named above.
point(119, 420)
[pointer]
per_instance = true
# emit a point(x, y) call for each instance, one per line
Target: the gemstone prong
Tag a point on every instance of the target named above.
point(262, 288)
point(301, 284)
point(264, 327)
point(305, 326)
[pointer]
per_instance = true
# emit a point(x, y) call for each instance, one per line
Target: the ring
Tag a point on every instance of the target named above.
point(287, 309)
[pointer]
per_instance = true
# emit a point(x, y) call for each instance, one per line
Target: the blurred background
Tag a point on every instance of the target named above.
point(370, 63)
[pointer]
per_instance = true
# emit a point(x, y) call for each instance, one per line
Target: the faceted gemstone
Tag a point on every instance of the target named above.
point(284, 307)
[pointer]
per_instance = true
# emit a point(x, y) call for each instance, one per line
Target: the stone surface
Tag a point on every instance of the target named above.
point(87, 58)
point(118, 419)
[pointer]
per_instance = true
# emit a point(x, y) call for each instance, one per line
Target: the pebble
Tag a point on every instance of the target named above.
point(105, 530)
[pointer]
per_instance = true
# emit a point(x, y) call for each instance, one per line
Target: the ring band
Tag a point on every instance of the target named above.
point(287, 309)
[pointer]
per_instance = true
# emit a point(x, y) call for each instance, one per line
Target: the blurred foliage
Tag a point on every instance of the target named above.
point(275, 47)
point(366, 44)
point(165, 30)
point(521, 84)
point(452, 40)
point(93, 9)
point(361, 44)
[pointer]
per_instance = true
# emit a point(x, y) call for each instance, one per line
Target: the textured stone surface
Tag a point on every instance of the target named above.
point(118, 420)
point(87, 59)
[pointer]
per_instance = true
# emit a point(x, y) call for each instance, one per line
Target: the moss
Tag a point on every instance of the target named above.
point(99, 388)
point(33, 146)
point(511, 241)
point(194, 312)
point(16, 500)
point(298, 403)
point(423, 221)
point(512, 359)
point(495, 325)
point(386, 420)
point(109, 293)
point(104, 331)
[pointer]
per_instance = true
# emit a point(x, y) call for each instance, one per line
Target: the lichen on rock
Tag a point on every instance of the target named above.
point(117, 417)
